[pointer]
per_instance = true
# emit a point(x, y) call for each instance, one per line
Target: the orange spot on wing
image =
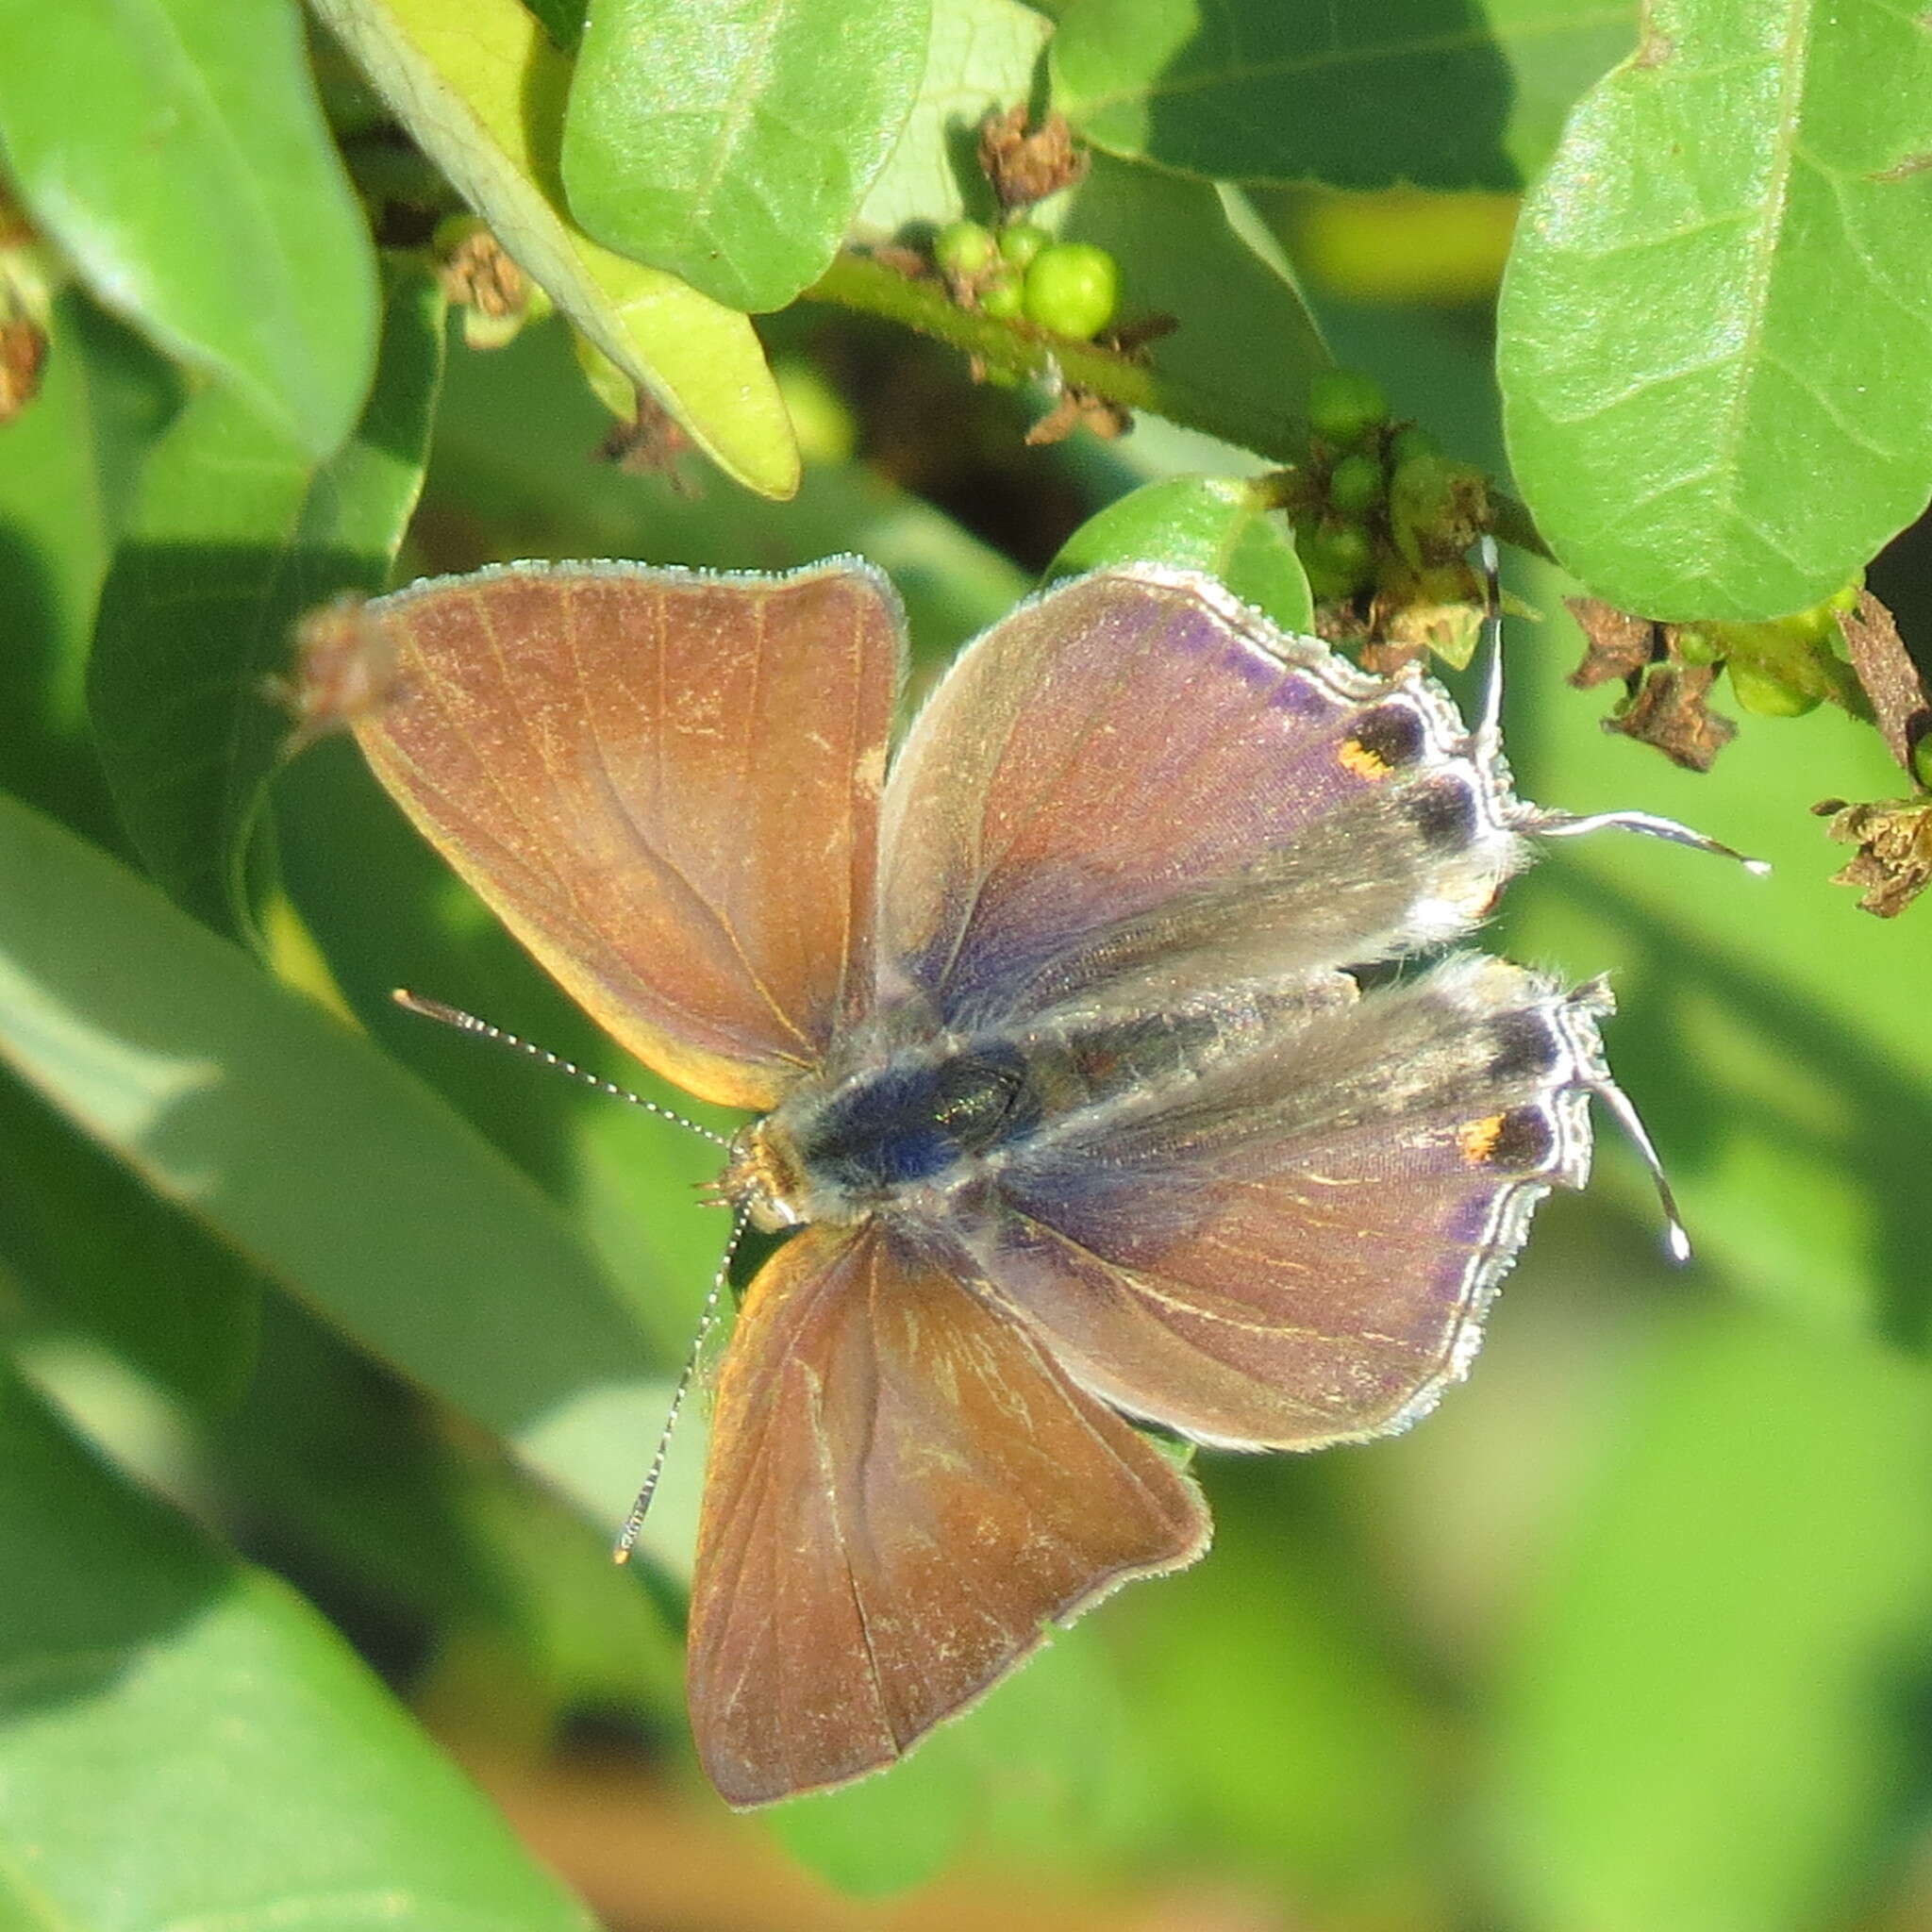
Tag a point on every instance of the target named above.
point(1479, 1139)
point(1359, 760)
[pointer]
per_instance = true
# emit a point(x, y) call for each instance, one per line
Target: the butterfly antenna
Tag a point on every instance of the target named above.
point(707, 1317)
point(1593, 1000)
point(482, 1029)
point(1569, 825)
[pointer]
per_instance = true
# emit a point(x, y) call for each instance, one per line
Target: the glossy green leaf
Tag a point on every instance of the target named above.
point(1193, 252)
point(981, 55)
point(735, 154)
point(1692, 1730)
point(1223, 528)
point(1717, 325)
point(1429, 92)
point(309, 1153)
point(482, 91)
point(175, 151)
point(191, 1745)
point(235, 536)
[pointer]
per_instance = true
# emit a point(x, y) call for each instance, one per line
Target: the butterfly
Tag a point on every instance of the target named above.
point(1062, 1061)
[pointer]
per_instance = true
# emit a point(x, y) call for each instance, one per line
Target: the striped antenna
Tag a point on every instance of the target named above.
point(482, 1029)
point(707, 1317)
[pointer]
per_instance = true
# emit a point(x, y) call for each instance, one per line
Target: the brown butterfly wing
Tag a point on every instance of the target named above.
point(1135, 762)
point(904, 1489)
point(1300, 1248)
point(665, 784)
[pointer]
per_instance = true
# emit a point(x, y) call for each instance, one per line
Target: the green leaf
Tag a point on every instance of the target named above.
point(175, 151)
point(1195, 252)
point(308, 1152)
point(981, 55)
point(194, 1745)
point(235, 536)
point(1775, 1035)
point(1716, 331)
point(736, 154)
point(1264, 1642)
point(1360, 96)
point(536, 496)
point(1090, 1788)
point(91, 1248)
point(1692, 1727)
point(67, 468)
point(1226, 529)
point(482, 93)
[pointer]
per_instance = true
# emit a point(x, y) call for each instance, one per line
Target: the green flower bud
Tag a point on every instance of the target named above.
point(1020, 242)
point(965, 250)
point(1339, 559)
point(1345, 405)
point(1757, 691)
point(1355, 485)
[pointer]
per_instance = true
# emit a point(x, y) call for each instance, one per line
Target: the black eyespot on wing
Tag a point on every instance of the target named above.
point(1523, 1046)
point(1525, 1140)
point(1391, 734)
point(1444, 812)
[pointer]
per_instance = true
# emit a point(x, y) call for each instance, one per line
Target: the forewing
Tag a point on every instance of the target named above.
point(666, 784)
point(1134, 772)
point(904, 1490)
point(1299, 1247)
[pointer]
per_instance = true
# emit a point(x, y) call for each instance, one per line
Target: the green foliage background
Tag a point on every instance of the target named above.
point(334, 1345)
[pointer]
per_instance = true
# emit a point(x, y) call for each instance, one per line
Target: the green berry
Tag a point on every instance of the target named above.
point(1345, 406)
point(1002, 300)
point(1922, 761)
point(1410, 441)
point(1072, 289)
point(1768, 697)
point(1355, 485)
point(1699, 643)
point(965, 250)
point(1339, 559)
point(1020, 242)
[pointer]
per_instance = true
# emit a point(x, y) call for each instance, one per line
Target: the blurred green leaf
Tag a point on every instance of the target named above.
point(194, 1745)
point(309, 1153)
point(981, 55)
point(91, 1246)
point(1048, 1770)
point(1716, 331)
point(537, 495)
point(1773, 1034)
point(1192, 252)
point(68, 466)
point(1288, 1731)
point(736, 154)
point(1430, 92)
point(1224, 530)
point(1694, 1725)
point(175, 150)
point(482, 91)
point(235, 536)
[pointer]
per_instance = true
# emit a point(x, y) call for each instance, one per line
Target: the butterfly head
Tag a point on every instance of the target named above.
point(763, 1179)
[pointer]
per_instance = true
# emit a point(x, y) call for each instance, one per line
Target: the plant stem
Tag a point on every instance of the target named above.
point(1015, 349)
